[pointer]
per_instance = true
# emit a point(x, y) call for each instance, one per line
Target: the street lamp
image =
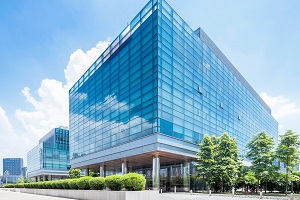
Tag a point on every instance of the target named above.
point(6, 174)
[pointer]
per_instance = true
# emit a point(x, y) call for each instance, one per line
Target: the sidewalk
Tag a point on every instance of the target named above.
point(200, 196)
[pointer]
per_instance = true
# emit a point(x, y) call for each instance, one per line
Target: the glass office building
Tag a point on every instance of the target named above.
point(13, 167)
point(50, 159)
point(146, 102)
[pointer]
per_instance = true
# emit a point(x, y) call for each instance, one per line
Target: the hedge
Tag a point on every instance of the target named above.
point(73, 184)
point(131, 182)
point(114, 182)
point(83, 182)
point(97, 183)
point(134, 181)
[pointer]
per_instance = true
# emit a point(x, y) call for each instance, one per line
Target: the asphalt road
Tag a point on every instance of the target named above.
point(5, 195)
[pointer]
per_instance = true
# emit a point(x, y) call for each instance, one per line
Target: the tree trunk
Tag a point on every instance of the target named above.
point(257, 186)
point(286, 178)
point(222, 186)
point(266, 188)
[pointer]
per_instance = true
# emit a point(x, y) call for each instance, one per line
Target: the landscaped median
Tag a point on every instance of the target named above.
point(126, 187)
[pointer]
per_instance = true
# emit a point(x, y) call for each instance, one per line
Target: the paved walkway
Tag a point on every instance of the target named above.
point(186, 196)
point(5, 195)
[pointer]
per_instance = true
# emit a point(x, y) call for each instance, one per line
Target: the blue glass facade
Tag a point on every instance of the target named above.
point(13, 166)
point(50, 159)
point(156, 90)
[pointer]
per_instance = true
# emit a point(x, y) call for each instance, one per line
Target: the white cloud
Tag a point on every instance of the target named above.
point(285, 111)
point(12, 145)
point(80, 61)
point(51, 106)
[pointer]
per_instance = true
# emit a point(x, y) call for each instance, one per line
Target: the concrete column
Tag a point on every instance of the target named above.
point(44, 178)
point(155, 172)
point(49, 177)
point(186, 176)
point(86, 172)
point(124, 167)
point(102, 170)
point(38, 178)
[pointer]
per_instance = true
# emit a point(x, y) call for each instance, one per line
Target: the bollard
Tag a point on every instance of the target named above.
point(260, 195)
point(160, 190)
point(292, 196)
point(174, 189)
point(232, 191)
point(209, 192)
point(191, 192)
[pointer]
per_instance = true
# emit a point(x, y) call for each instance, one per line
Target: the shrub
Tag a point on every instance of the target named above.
point(34, 185)
point(41, 185)
point(114, 182)
point(19, 185)
point(59, 184)
point(97, 183)
point(134, 181)
point(73, 184)
point(48, 185)
point(65, 184)
point(9, 186)
point(83, 183)
point(53, 184)
point(74, 173)
point(26, 185)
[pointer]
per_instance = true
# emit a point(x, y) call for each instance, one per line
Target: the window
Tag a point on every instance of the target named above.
point(200, 90)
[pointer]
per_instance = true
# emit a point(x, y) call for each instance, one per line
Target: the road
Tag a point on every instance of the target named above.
point(5, 195)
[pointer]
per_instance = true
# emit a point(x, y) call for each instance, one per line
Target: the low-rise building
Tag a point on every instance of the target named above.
point(49, 160)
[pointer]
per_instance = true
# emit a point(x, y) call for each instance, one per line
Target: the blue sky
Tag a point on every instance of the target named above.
point(46, 45)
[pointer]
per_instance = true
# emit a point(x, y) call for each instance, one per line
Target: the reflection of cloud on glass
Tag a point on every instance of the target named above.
point(112, 103)
point(80, 96)
point(107, 133)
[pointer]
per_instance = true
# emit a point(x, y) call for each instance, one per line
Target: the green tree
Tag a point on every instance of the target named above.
point(227, 162)
point(288, 153)
point(206, 159)
point(74, 173)
point(246, 179)
point(93, 173)
point(219, 161)
point(262, 156)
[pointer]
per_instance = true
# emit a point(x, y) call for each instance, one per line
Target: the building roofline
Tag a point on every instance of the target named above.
point(213, 47)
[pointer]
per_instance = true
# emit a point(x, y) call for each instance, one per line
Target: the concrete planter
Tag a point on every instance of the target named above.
point(94, 194)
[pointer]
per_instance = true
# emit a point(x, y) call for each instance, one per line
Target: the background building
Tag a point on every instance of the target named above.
point(14, 167)
point(49, 160)
point(147, 101)
point(24, 172)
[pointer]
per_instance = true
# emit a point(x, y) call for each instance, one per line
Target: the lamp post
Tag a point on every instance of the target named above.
point(6, 174)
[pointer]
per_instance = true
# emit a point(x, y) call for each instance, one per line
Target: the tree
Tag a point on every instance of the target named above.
point(228, 164)
point(246, 179)
point(262, 156)
point(219, 161)
point(93, 173)
point(287, 152)
point(206, 158)
point(74, 173)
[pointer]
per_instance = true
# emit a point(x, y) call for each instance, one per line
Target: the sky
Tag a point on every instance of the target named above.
point(45, 46)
